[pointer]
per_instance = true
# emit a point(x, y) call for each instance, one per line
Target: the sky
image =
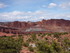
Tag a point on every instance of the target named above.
point(34, 10)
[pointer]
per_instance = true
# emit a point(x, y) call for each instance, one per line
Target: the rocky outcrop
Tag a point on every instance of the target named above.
point(52, 25)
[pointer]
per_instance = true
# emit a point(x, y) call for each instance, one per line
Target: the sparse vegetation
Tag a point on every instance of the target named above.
point(44, 43)
point(26, 44)
point(10, 45)
point(31, 48)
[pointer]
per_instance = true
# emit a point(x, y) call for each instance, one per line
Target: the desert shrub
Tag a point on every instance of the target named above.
point(33, 36)
point(39, 34)
point(31, 49)
point(29, 40)
point(10, 45)
point(46, 38)
point(26, 44)
point(39, 52)
point(57, 47)
point(57, 35)
point(20, 35)
point(49, 34)
point(44, 47)
point(64, 33)
point(54, 47)
point(43, 35)
point(66, 44)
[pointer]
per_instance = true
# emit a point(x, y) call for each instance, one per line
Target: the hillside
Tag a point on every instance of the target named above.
point(52, 25)
point(11, 42)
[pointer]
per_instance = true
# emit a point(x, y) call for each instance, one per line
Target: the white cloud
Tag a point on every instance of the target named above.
point(17, 15)
point(31, 16)
point(52, 5)
point(2, 5)
point(62, 5)
point(65, 5)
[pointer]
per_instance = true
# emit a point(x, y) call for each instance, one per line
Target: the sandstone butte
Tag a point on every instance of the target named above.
point(44, 26)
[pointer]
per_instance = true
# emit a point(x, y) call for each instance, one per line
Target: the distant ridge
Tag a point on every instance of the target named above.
point(51, 25)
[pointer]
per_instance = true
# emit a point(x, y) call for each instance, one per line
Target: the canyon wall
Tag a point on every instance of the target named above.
point(52, 25)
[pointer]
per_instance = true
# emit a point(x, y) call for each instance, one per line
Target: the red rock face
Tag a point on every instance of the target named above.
point(53, 25)
point(57, 25)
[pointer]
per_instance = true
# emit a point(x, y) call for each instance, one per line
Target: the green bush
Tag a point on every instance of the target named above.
point(10, 45)
point(49, 34)
point(57, 47)
point(33, 36)
point(64, 33)
point(57, 35)
point(31, 49)
point(66, 44)
point(44, 47)
point(43, 35)
point(26, 44)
